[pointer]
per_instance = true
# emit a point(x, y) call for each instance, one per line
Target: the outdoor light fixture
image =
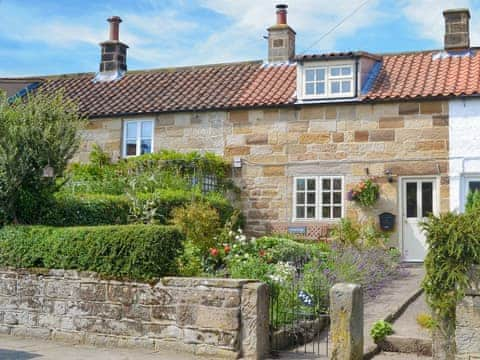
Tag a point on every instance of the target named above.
point(389, 174)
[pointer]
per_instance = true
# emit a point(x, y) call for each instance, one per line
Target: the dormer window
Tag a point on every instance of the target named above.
point(328, 81)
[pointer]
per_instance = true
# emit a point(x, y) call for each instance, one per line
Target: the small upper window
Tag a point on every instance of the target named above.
point(329, 81)
point(138, 137)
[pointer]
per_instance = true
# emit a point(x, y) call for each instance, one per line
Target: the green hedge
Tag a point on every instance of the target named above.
point(140, 252)
point(84, 210)
point(166, 200)
point(96, 209)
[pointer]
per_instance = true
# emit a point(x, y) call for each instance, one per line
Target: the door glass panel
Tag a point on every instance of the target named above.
point(311, 184)
point(326, 198)
point(337, 198)
point(337, 184)
point(326, 184)
point(411, 200)
point(474, 186)
point(427, 198)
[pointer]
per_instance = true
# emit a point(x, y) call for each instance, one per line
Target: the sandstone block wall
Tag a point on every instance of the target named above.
point(467, 331)
point(408, 138)
point(207, 317)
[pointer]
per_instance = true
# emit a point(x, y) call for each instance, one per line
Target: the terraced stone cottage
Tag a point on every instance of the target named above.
point(301, 131)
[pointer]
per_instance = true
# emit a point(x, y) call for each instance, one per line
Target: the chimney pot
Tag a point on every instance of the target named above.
point(114, 27)
point(282, 14)
point(457, 29)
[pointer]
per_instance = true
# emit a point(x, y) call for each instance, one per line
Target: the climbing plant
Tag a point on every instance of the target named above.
point(454, 250)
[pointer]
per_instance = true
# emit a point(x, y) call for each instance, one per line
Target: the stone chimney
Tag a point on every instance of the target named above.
point(113, 62)
point(281, 39)
point(457, 29)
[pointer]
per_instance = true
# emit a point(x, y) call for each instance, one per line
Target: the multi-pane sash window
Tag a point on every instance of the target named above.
point(329, 81)
point(318, 197)
point(138, 137)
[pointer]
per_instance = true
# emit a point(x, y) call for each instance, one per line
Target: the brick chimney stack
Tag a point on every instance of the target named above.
point(457, 29)
point(281, 39)
point(113, 62)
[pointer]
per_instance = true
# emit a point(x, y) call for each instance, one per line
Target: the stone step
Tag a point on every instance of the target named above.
point(407, 345)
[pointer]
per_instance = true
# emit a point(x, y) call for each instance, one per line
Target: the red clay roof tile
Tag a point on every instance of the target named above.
point(243, 85)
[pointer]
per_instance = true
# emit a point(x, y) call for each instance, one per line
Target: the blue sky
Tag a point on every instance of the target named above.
point(62, 36)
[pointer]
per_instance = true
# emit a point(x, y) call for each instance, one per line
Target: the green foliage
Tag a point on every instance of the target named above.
point(380, 330)
point(350, 233)
point(190, 262)
point(425, 321)
point(366, 193)
point(454, 248)
point(200, 224)
point(80, 210)
point(148, 173)
point(40, 131)
point(473, 201)
point(132, 252)
point(98, 157)
point(346, 233)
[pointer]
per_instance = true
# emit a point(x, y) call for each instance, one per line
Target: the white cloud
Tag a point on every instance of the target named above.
point(427, 17)
point(310, 18)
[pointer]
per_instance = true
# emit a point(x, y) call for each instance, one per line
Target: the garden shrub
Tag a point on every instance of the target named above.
point(124, 252)
point(80, 210)
point(473, 201)
point(454, 249)
point(200, 223)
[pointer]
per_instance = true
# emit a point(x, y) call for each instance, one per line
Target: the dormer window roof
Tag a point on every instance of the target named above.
point(332, 77)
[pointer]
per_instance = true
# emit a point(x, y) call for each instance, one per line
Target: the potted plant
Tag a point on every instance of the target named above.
point(365, 193)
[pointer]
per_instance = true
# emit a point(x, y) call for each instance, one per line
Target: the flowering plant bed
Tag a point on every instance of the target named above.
point(366, 193)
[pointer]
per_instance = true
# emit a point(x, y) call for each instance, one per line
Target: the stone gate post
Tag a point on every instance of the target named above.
point(346, 317)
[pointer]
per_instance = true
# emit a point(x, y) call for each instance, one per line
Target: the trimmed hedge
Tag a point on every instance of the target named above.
point(84, 210)
point(139, 252)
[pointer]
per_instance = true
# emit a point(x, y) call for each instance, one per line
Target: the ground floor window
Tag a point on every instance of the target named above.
point(318, 197)
point(137, 137)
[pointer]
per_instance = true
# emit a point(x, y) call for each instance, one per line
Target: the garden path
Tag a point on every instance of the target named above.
point(13, 348)
point(390, 299)
point(387, 302)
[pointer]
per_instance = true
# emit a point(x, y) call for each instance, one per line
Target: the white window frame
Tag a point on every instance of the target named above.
point(328, 80)
point(318, 198)
point(138, 138)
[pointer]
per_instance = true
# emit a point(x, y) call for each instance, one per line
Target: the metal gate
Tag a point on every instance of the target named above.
point(298, 325)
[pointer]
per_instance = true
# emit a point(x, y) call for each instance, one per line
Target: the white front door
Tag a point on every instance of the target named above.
point(419, 199)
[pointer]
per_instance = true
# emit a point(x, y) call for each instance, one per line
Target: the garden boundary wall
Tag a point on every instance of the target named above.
point(207, 317)
point(467, 334)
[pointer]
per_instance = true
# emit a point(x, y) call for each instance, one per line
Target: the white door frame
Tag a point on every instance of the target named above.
point(401, 199)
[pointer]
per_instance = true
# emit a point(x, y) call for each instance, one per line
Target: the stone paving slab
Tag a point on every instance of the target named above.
point(397, 356)
point(12, 348)
point(389, 300)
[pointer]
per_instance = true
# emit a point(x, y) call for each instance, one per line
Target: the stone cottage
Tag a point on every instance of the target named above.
point(300, 131)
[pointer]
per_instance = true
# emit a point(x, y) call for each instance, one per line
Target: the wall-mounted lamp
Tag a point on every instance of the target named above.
point(367, 171)
point(389, 174)
point(237, 162)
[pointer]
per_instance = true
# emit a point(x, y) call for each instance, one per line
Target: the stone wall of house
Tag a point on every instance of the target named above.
point(354, 141)
point(208, 317)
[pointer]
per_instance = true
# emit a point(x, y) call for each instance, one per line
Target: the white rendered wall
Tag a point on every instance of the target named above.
point(464, 139)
